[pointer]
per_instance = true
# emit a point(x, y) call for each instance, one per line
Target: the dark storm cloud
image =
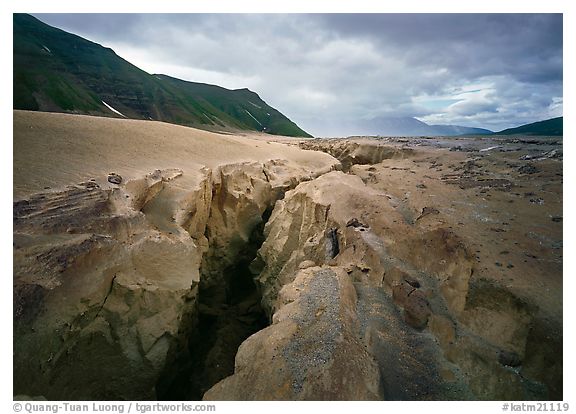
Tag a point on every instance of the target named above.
point(486, 70)
point(448, 37)
point(106, 26)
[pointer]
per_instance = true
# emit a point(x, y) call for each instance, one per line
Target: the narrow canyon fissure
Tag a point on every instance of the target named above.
point(228, 311)
point(188, 274)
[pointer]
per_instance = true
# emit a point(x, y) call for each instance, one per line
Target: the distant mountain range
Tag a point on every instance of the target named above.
point(60, 72)
point(400, 126)
point(411, 127)
point(549, 127)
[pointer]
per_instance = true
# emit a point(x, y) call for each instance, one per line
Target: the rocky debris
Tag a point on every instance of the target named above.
point(544, 240)
point(426, 211)
point(556, 154)
point(422, 186)
point(472, 174)
point(114, 178)
point(534, 141)
point(537, 200)
point(469, 165)
point(499, 183)
point(528, 169)
point(354, 222)
point(436, 164)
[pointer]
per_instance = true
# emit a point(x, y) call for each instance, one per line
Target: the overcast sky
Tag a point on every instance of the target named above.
point(492, 71)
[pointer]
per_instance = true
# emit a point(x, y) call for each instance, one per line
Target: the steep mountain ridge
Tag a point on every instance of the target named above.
point(57, 71)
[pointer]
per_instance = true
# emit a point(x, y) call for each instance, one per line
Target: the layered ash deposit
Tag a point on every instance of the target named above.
point(232, 268)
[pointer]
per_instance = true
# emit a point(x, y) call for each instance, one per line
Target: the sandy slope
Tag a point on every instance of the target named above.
point(52, 150)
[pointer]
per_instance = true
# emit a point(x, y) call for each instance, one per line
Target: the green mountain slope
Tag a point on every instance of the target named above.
point(549, 127)
point(61, 72)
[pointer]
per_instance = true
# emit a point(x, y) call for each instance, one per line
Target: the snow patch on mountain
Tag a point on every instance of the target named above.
point(114, 110)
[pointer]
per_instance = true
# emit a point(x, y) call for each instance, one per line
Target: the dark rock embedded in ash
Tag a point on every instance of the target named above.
point(426, 211)
point(114, 178)
point(354, 222)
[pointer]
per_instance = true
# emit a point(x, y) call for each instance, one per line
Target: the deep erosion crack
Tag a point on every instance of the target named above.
point(228, 311)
